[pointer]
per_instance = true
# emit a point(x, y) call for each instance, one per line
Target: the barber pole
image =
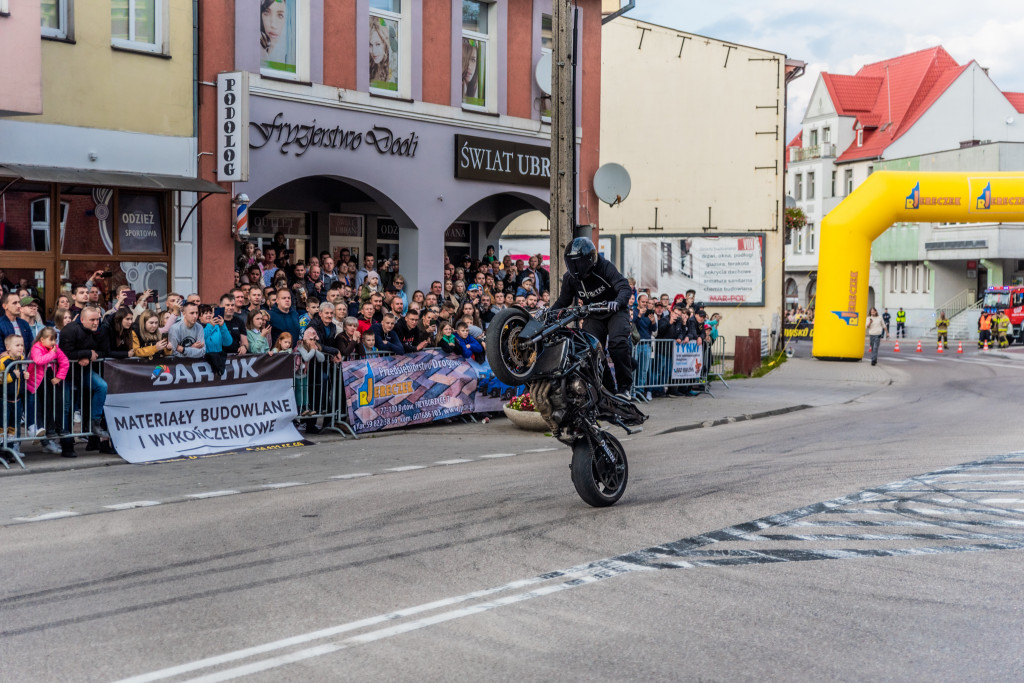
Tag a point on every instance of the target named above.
point(242, 220)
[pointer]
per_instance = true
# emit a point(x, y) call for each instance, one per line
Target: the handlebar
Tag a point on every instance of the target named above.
point(565, 316)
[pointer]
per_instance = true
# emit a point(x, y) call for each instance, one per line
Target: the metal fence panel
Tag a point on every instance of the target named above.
point(652, 359)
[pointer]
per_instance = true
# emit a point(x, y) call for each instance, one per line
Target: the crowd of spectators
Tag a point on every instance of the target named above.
point(325, 310)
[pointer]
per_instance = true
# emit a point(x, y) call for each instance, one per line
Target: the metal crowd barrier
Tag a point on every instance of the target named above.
point(52, 409)
point(652, 359)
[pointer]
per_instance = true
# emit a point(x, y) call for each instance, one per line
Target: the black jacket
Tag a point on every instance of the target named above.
point(325, 335)
point(603, 283)
point(77, 342)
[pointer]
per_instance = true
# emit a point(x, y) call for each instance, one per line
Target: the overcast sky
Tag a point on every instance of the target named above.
point(841, 37)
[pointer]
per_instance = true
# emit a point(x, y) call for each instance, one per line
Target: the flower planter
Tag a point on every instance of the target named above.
point(530, 421)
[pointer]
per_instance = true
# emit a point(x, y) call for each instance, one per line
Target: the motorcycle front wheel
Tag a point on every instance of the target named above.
point(598, 481)
point(511, 359)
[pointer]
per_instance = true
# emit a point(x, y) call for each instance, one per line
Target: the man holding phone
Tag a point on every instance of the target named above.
point(236, 326)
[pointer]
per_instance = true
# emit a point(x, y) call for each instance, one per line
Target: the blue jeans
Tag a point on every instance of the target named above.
point(98, 389)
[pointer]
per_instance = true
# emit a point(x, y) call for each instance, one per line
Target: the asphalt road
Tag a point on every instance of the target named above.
point(877, 535)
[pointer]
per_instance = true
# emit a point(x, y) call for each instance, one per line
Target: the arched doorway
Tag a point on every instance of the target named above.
point(792, 295)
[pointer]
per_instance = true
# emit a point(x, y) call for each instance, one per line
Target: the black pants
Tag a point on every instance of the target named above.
point(613, 332)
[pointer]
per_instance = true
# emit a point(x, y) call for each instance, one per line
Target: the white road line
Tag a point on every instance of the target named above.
point(211, 494)
point(498, 455)
point(355, 475)
point(406, 468)
point(284, 485)
point(540, 450)
point(456, 461)
point(48, 515)
point(133, 504)
point(1001, 500)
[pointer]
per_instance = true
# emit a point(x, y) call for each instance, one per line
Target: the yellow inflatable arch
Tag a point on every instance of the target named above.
point(887, 197)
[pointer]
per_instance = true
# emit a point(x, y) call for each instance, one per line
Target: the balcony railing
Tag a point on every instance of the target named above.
point(825, 150)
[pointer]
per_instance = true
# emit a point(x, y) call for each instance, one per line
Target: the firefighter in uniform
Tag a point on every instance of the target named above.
point(984, 329)
point(901, 323)
point(942, 326)
point(1002, 323)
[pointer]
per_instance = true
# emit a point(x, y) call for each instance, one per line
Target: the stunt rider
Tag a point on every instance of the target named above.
point(593, 279)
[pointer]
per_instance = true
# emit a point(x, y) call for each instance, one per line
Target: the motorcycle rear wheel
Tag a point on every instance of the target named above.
point(511, 360)
point(599, 482)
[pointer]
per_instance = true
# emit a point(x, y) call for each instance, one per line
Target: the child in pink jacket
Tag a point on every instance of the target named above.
point(49, 368)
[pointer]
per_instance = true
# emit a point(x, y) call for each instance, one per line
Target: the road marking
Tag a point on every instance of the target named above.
point(406, 468)
point(132, 505)
point(49, 515)
point(456, 461)
point(540, 450)
point(1001, 500)
point(284, 485)
point(211, 494)
point(356, 475)
point(498, 455)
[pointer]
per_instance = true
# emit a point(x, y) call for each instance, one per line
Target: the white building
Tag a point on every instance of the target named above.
point(900, 114)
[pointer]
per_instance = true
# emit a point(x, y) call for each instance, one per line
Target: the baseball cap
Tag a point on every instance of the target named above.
point(473, 287)
point(28, 301)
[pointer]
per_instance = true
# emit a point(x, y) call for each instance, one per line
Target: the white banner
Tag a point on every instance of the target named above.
point(233, 126)
point(180, 410)
point(687, 361)
point(723, 270)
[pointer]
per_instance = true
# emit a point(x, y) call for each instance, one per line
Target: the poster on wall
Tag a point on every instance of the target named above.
point(398, 391)
point(522, 248)
point(277, 36)
point(724, 269)
point(139, 226)
point(179, 409)
point(384, 47)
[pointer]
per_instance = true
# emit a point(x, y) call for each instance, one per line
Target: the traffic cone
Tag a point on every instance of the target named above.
point(918, 346)
point(940, 348)
point(986, 346)
point(960, 347)
point(897, 349)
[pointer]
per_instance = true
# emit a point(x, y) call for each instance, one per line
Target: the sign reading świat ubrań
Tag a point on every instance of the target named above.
point(180, 409)
point(501, 161)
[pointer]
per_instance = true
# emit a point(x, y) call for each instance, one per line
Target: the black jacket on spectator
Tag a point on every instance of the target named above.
point(410, 338)
point(667, 330)
point(325, 335)
point(114, 349)
point(236, 326)
point(694, 330)
point(349, 348)
point(77, 342)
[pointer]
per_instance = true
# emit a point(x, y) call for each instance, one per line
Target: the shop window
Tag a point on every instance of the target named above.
point(89, 228)
point(478, 53)
point(138, 24)
point(55, 16)
point(389, 48)
point(138, 275)
point(284, 39)
point(40, 215)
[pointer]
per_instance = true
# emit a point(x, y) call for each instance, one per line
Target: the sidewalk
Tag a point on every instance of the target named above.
point(798, 384)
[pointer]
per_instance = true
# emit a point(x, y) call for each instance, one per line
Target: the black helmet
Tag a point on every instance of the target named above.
point(580, 257)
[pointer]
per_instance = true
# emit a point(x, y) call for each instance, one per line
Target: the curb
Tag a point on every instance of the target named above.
point(738, 418)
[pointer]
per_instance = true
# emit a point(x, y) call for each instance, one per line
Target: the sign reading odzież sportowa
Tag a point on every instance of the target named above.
point(396, 391)
point(179, 409)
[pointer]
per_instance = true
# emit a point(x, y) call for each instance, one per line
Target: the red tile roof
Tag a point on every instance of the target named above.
point(888, 97)
point(1016, 99)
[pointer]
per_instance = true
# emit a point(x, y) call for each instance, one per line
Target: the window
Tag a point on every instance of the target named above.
point(833, 188)
point(547, 42)
point(871, 169)
point(860, 137)
point(814, 138)
point(284, 39)
point(54, 18)
point(826, 134)
point(798, 241)
point(389, 68)
point(894, 272)
point(40, 214)
point(811, 239)
point(798, 187)
point(4, 9)
point(137, 24)
point(477, 91)
point(906, 277)
point(810, 185)
point(848, 181)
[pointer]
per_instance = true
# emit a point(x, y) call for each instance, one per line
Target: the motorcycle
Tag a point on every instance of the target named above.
point(563, 367)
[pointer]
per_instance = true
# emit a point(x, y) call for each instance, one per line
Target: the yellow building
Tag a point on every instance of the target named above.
point(699, 125)
point(114, 148)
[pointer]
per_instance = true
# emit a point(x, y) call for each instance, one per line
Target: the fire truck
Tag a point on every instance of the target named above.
point(1009, 298)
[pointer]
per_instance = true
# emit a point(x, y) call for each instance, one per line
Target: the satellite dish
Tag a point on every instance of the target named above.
point(543, 73)
point(611, 183)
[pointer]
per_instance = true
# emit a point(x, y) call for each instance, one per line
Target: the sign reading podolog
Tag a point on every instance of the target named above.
point(179, 409)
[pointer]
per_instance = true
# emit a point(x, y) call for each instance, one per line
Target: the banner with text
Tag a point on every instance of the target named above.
point(803, 329)
point(687, 361)
point(397, 391)
point(491, 392)
point(724, 269)
point(179, 409)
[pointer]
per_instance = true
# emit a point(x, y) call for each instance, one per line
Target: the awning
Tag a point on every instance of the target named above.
point(142, 181)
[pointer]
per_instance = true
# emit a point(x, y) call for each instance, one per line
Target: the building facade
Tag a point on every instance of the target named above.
point(406, 129)
point(920, 111)
point(704, 152)
point(102, 175)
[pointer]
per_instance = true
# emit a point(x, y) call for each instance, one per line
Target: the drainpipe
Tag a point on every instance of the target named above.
point(611, 17)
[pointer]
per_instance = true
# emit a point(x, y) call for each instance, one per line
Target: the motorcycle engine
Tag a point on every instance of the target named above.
point(556, 400)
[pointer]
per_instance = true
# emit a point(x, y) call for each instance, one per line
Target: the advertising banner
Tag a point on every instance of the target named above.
point(724, 269)
point(178, 409)
point(803, 329)
point(491, 392)
point(687, 361)
point(398, 391)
